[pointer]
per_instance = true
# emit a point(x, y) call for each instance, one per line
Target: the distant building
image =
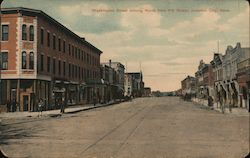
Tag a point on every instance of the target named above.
point(147, 92)
point(205, 80)
point(134, 84)
point(116, 79)
point(218, 74)
point(188, 85)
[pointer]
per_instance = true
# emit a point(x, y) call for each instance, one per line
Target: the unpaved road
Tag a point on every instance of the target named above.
point(144, 128)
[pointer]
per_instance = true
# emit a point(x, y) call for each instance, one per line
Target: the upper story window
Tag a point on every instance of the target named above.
point(59, 44)
point(5, 32)
point(64, 68)
point(24, 60)
point(4, 60)
point(59, 67)
point(69, 49)
point(42, 62)
point(42, 36)
point(48, 64)
point(54, 65)
point(24, 32)
point(31, 33)
point(64, 46)
point(48, 39)
point(54, 42)
point(31, 60)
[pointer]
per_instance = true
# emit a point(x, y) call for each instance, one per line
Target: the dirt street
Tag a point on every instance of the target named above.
point(164, 127)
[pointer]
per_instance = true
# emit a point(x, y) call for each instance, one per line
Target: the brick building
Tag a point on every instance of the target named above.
point(205, 80)
point(188, 85)
point(42, 59)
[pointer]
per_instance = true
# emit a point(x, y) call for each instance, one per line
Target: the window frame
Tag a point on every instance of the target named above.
point(5, 35)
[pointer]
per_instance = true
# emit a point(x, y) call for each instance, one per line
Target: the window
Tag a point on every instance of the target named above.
point(5, 32)
point(54, 42)
point(24, 61)
point(54, 66)
point(69, 70)
point(76, 53)
point(59, 67)
point(82, 55)
point(24, 32)
point(73, 50)
point(64, 47)
point(4, 60)
point(41, 64)
point(48, 39)
point(48, 64)
point(79, 72)
point(73, 71)
point(59, 44)
point(31, 60)
point(42, 36)
point(31, 33)
point(64, 68)
point(69, 49)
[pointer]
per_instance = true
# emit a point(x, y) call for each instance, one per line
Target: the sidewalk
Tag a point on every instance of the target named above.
point(235, 110)
point(54, 113)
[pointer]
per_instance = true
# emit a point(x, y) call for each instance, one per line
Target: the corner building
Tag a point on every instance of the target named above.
point(42, 59)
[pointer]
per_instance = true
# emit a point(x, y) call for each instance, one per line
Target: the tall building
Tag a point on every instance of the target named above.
point(118, 78)
point(134, 85)
point(42, 59)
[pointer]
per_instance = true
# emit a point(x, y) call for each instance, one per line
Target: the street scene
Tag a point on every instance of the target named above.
point(145, 127)
point(121, 79)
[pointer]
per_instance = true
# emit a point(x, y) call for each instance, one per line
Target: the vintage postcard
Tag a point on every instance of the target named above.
point(124, 79)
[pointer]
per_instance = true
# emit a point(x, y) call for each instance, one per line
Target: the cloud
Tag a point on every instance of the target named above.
point(85, 9)
point(140, 19)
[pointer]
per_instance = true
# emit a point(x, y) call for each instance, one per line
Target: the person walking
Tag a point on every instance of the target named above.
point(40, 107)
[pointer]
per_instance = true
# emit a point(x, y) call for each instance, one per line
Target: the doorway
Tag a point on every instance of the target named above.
point(25, 102)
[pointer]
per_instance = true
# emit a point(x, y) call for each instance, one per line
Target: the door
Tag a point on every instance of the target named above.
point(25, 102)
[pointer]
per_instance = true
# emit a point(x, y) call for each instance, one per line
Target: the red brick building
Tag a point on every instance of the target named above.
point(42, 59)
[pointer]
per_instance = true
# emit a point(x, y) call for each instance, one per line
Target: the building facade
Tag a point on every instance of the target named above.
point(243, 78)
point(42, 59)
point(205, 80)
point(188, 86)
point(134, 85)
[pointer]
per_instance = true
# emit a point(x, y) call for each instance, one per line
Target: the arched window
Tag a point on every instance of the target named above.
point(24, 32)
point(24, 61)
point(31, 33)
point(31, 60)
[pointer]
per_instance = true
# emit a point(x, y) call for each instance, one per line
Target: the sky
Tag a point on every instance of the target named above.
point(168, 37)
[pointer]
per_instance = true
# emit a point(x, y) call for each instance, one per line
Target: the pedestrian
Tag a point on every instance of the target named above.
point(40, 107)
point(62, 102)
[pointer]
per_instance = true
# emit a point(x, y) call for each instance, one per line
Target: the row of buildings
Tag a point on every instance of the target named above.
point(226, 78)
point(43, 60)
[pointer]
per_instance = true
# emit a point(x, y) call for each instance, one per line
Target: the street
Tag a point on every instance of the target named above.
point(143, 128)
